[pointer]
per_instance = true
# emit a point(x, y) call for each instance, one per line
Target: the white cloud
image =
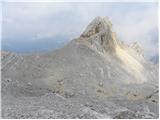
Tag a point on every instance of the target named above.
point(140, 26)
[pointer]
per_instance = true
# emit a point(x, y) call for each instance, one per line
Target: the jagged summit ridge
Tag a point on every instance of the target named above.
point(98, 25)
point(100, 37)
point(99, 34)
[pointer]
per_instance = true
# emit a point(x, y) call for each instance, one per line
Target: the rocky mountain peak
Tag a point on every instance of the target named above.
point(99, 34)
point(98, 25)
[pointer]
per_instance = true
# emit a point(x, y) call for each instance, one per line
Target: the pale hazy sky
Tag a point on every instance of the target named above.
point(48, 24)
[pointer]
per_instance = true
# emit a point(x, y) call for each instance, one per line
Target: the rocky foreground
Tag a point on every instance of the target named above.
point(94, 76)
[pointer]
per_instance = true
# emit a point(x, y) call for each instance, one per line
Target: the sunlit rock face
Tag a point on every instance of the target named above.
point(94, 76)
point(99, 34)
point(101, 38)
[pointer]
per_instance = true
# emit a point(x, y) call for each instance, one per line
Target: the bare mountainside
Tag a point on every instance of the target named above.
point(94, 76)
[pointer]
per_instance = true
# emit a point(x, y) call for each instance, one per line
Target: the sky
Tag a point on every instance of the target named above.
point(42, 26)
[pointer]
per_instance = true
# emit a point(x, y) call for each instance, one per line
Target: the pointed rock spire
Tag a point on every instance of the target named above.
point(99, 34)
point(98, 25)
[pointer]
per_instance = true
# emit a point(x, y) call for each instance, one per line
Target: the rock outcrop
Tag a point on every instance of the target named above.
point(99, 34)
point(101, 38)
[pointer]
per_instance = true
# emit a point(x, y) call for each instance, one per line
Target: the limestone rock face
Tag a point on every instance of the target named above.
point(98, 25)
point(100, 37)
point(93, 76)
point(99, 33)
